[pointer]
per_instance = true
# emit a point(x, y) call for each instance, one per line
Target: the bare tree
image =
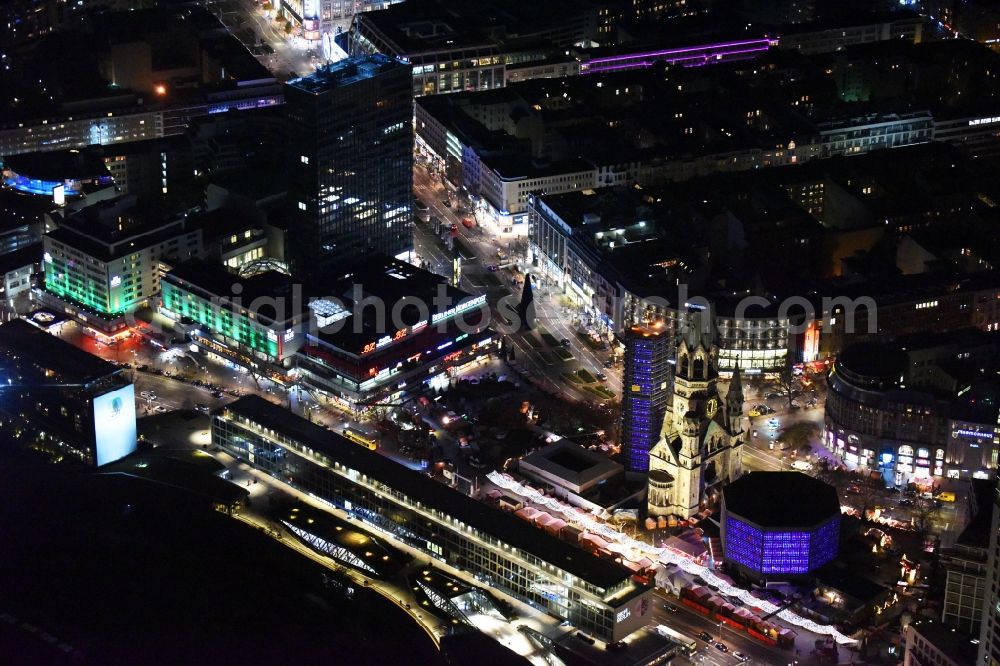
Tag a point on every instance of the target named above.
point(375, 413)
point(826, 473)
point(924, 511)
point(501, 413)
point(625, 523)
point(799, 435)
point(255, 374)
point(785, 381)
point(870, 491)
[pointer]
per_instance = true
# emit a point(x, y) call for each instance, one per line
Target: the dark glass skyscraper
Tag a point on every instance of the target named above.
point(351, 173)
point(645, 390)
point(989, 632)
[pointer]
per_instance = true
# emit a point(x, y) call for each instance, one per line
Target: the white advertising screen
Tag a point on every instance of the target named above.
point(114, 424)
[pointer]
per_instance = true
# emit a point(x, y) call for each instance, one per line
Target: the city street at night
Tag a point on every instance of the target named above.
point(498, 333)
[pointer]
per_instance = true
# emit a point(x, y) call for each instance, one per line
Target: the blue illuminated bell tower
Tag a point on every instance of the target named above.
point(646, 386)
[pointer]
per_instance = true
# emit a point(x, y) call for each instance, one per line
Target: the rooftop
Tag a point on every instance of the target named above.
point(21, 257)
point(515, 167)
point(345, 72)
point(180, 471)
point(373, 552)
point(420, 26)
point(267, 288)
point(423, 25)
point(221, 223)
point(571, 462)
point(70, 364)
point(58, 165)
point(864, 590)
point(654, 331)
point(965, 338)
point(958, 646)
point(113, 228)
point(74, 86)
point(420, 488)
point(840, 21)
point(781, 499)
point(874, 360)
point(392, 284)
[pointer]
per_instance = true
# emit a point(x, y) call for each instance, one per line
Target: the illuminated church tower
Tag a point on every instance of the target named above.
point(701, 441)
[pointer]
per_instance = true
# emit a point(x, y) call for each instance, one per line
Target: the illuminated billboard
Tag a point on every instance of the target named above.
point(114, 424)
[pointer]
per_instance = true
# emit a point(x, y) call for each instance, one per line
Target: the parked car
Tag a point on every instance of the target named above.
point(609, 364)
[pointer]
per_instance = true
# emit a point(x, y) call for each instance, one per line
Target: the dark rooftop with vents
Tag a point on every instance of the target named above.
point(344, 73)
point(69, 364)
point(418, 487)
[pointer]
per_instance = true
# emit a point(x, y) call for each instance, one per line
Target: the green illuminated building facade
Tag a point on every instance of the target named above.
point(106, 261)
point(245, 320)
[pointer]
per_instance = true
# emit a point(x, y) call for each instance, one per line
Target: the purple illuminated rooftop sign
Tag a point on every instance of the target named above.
point(689, 56)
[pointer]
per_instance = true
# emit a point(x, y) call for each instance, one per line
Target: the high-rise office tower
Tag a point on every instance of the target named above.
point(989, 636)
point(351, 154)
point(645, 390)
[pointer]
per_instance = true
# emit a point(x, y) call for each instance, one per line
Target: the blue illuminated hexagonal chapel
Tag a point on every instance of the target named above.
point(779, 525)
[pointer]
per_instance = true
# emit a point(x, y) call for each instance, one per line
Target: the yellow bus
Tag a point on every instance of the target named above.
point(361, 438)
